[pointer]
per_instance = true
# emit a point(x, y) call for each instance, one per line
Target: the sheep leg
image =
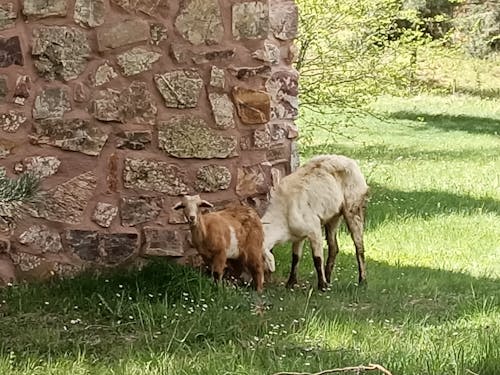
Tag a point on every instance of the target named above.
point(354, 221)
point(317, 250)
point(297, 248)
point(333, 246)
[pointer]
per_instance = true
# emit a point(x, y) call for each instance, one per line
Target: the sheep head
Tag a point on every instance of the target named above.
point(191, 205)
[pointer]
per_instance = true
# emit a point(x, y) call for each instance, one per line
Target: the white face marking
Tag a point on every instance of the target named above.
point(233, 251)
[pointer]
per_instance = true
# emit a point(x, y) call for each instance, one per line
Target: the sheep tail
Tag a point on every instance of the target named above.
point(269, 262)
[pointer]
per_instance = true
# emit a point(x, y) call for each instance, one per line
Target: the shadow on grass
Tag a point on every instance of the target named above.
point(413, 296)
point(384, 153)
point(484, 93)
point(149, 286)
point(388, 204)
point(469, 124)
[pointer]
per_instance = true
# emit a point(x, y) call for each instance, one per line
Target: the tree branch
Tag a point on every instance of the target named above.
point(358, 369)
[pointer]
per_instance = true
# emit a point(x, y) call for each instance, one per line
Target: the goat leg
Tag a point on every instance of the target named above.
point(333, 246)
point(297, 248)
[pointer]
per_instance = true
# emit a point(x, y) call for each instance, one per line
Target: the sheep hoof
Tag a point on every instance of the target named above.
point(363, 283)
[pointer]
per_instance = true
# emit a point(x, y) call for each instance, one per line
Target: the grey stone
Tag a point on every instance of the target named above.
point(104, 213)
point(25, 261)
point(284, 19)
point(138, 104)
point(213, 55)
point(107, 248)
point(66, 202)
point(217, 77)
point(137, 60)
point(278, 155)
point(4, 88)
point(158, 32)
point(41, 166)
point(251, 20)
point(60, 52)
point(150, 7)
point(70, 134)
point(42, 239)
point(188, 137)
point(4, 246)
point(139, 210)
point(251, 181)
point(283, 88)
point(223, 110)
point(134, 104)
point(270, 53)
point(89, 12)
point(163, 242)
point(134, 139)
point(67, 270)
point(45, 8)
point(84, 244)
point(262, 138)
point(152, 175)
point(51, 103)
point(11, 52)
point(272, 138)
point(200, 21)
point(253, 106)
point(278, 132)
point(185, 55)
point(115, 248)
point(6, 147)
point(244, 73)
point(106, 105)
point(212, 178)
point(11, 121)
point(123, 33)
point(81, 93)
point(103, 74)
point(8, 15)
point(180, 88)
point(22, 89)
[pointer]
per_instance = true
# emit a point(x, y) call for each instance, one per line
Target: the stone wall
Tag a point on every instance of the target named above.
point(120, 106)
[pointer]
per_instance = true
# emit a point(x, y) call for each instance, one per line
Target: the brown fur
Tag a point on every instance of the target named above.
point(211, 236)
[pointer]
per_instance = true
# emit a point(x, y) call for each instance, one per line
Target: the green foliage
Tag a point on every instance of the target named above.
point(351, 52)
point(477, 26)
point(15, 194)
point(344, 58)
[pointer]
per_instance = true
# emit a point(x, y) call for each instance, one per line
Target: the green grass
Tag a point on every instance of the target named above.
point(432, 304)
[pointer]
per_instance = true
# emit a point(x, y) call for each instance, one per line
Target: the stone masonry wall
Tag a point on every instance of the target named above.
point(120, 106)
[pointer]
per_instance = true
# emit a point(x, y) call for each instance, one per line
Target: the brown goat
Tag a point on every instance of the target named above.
point(234, 234)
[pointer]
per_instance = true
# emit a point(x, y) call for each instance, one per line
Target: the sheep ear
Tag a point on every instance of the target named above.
point(178, 206)
point(204, 203)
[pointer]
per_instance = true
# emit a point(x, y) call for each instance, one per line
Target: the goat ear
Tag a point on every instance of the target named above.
point(204, 203)
point(178, 206)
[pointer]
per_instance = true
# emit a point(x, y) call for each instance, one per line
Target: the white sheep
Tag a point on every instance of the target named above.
point(318, 194)
point(234, 234)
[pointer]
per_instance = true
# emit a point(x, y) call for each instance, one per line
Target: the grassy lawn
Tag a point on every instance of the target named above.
point(432, 304)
